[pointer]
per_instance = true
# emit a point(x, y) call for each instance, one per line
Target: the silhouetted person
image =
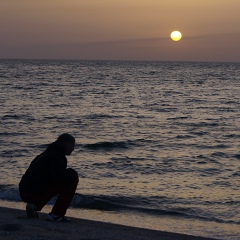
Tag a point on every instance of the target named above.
point(48, 176)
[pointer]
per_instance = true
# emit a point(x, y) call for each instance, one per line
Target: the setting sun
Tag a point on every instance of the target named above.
point(176, 36)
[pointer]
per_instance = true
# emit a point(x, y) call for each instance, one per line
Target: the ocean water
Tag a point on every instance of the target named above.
point(157, 142)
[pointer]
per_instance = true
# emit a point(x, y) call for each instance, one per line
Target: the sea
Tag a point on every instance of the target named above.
point(157, 143)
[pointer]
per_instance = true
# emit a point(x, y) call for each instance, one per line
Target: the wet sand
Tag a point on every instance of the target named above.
point(15, 225)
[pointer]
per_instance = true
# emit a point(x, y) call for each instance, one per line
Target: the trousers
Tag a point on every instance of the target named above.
point(65, 192)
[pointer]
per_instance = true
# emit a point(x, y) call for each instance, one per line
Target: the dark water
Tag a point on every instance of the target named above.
point(153, 138)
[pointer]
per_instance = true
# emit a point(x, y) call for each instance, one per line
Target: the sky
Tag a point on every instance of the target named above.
point(120, 29)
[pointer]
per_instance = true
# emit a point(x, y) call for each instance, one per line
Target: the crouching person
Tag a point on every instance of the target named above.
point(48, 176)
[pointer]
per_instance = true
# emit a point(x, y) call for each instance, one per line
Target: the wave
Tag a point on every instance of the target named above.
point(101, 115)
point(9, 192)
point(17, 117)
point(10, 134)
point(134, 204)
point(138, 204)
point(111, 145)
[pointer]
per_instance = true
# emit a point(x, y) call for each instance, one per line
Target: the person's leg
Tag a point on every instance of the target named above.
point(66, 192)
point(40, 199)
point(35, 202)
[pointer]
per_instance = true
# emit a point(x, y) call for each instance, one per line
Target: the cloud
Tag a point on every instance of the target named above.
point(215, 47)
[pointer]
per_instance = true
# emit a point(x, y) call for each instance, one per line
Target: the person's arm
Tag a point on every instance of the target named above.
point(57, 168)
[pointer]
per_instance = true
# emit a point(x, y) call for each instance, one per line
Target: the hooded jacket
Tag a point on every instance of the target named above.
point(47, 169)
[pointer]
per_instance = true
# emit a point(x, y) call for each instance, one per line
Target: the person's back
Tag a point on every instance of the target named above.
point(46, 169)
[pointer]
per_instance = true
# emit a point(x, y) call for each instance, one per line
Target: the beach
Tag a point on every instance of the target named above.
point(15, 225)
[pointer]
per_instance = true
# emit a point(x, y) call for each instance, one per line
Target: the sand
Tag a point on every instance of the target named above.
point(15, 225)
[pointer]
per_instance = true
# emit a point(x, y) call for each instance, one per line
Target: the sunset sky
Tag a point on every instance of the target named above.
point(120, 29)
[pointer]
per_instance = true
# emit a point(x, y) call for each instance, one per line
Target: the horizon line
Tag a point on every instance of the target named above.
point(113, 60)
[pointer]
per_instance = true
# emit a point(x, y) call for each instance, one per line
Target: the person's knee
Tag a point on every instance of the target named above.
point(72, 175)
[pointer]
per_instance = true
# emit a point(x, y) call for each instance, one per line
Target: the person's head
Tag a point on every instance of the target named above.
point(67, 142)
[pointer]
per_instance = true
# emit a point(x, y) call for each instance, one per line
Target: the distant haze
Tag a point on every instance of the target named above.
point(120, 29)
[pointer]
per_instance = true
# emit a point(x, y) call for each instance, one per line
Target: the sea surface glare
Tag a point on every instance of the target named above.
point(158, 143)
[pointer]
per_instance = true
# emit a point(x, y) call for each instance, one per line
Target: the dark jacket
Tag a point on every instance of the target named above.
point(47, 169)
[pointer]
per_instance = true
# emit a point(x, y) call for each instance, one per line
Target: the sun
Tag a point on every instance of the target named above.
point(176, 36)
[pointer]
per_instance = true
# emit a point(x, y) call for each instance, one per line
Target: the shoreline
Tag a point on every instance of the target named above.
point(15, 225)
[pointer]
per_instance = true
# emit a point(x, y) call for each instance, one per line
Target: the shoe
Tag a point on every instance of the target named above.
point(31, 211)
point(56, 218)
